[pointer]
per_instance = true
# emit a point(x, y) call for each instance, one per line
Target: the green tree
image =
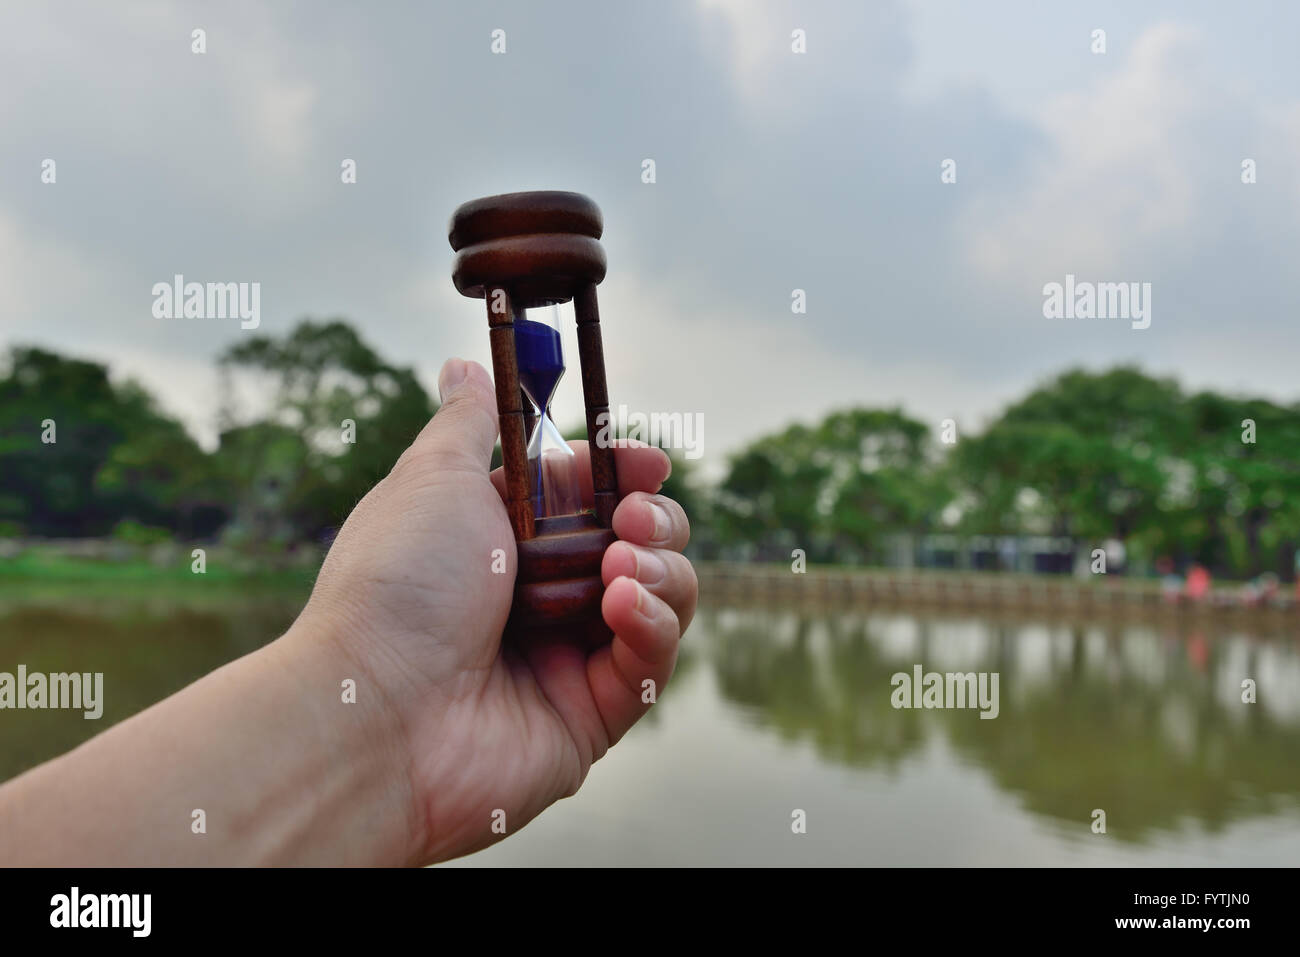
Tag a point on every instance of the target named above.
point(114, 454)
point(159, 475)
point(1098, 450)
point(340, 416)
point(835, 489)
point(1125, 455)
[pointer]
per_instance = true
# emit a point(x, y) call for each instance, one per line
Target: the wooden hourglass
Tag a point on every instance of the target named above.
point(525, 253)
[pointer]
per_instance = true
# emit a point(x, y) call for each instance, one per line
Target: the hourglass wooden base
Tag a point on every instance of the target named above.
point(519, 251)
point(558, 586)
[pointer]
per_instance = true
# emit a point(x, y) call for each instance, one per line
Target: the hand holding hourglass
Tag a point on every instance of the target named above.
point(452, 731)
point(458, 724)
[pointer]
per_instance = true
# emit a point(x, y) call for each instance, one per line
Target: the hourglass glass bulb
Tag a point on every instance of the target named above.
point(552, 466)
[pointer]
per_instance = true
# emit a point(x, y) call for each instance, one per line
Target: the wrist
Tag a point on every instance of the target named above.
point(370, 811)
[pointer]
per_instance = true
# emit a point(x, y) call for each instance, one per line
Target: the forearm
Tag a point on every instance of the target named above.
point(284, 771)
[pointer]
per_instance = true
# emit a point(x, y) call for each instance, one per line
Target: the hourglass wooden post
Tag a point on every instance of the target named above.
point(524, 251)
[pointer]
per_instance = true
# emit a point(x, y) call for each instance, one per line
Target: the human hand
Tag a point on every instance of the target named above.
point(409, 596)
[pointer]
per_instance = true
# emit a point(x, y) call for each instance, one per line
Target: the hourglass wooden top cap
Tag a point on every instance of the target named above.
point(541, 246)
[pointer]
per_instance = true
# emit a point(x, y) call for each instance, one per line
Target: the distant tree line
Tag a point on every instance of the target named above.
point(338, 418)
point(1087, 457)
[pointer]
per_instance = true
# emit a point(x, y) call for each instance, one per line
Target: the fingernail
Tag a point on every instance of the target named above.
point(663, 527)
point(449, 380)
point(650, 568)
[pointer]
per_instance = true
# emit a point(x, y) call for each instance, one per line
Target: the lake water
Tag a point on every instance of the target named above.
point(774, 711)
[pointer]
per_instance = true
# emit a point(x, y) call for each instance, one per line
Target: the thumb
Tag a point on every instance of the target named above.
point(463, 431)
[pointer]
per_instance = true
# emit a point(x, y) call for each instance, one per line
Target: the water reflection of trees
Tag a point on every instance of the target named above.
point(768, 665)
point(1147, 725)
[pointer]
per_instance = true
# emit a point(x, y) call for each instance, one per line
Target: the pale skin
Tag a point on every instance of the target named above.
point(448, 730)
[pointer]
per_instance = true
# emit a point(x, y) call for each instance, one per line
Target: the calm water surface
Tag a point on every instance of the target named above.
point(773, 711)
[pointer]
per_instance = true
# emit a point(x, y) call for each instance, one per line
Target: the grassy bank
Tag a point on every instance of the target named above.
point(40, 572)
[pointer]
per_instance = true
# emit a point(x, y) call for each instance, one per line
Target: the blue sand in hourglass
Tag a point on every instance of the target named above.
point(541, 365)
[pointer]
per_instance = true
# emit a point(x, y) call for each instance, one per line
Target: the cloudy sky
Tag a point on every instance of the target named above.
point(775, 171)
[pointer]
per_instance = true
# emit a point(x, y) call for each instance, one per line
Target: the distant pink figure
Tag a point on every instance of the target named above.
point(1198, 584)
